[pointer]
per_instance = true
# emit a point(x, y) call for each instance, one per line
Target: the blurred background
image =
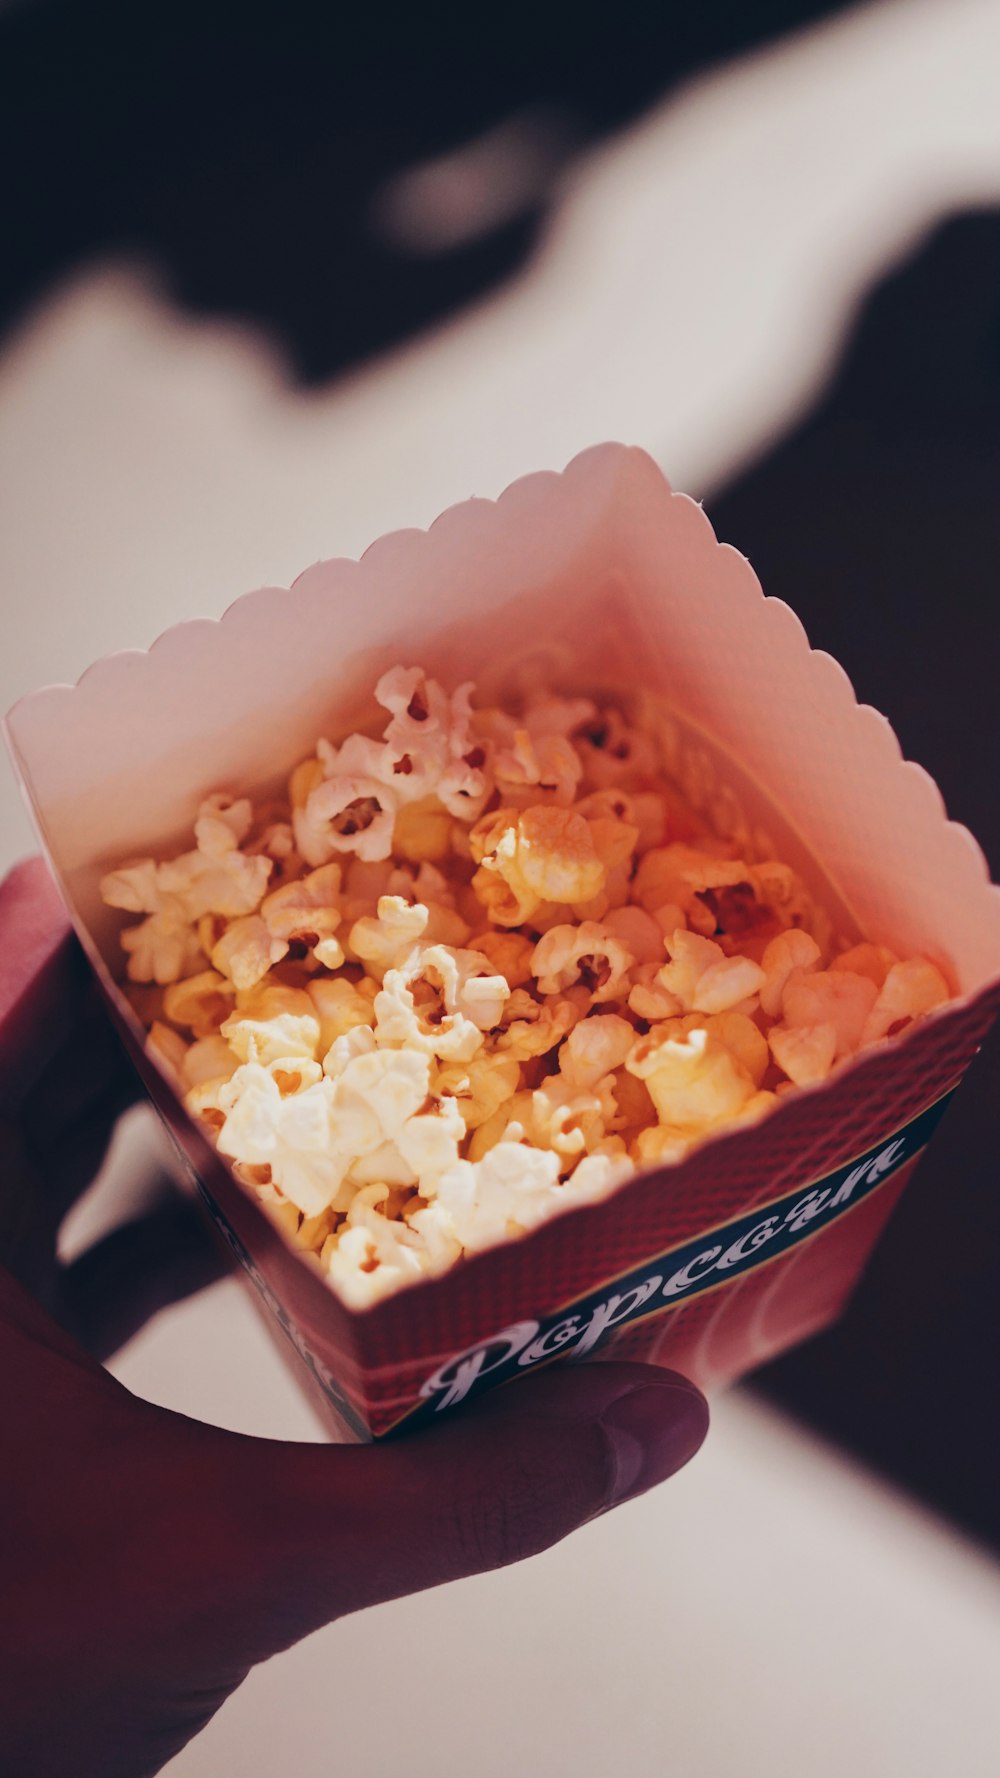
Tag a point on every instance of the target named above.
point(273, 282)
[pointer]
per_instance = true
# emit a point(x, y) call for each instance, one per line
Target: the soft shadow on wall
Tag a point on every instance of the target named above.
point(878, 520)
point(263, 157)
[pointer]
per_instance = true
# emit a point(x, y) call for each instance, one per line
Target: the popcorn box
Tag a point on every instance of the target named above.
point(598, 581)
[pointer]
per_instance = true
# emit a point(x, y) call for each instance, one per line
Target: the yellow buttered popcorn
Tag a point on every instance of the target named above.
point(475, 967)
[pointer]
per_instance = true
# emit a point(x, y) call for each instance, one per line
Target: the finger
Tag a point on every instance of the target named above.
point(329, 1531)
point(114, 1288)
point(43, 977)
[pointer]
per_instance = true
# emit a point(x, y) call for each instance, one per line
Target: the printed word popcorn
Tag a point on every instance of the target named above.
point(477, 971)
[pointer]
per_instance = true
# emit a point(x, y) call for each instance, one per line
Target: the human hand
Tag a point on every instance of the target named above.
point(148, 1561)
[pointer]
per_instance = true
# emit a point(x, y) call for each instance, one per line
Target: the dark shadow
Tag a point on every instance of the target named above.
point(242, 148)
point(878, 520)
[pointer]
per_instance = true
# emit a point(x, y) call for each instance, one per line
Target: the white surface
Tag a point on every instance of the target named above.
point(772, 1613)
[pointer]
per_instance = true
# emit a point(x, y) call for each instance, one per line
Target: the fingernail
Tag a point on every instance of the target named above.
point(653, 1430)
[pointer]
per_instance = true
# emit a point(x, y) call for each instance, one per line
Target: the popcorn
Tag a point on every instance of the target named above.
point(479, 1087)
point(587, 953)
point(613, 754)
point(340, 1005)
point(694, 1080)
point(270, 1022)
point(246, 951)
point(538, 854)
point(222, 824)
point(199, 1002)
point(541, 770)
point(162, 948)
point(306, 911)
point(508, 1192)
point(384, 942)
point(168, 1047)
point(638, 932)
point(788, 952)
point(354, 811)
point(216, 882)
point(838, 998)
point(373, 1256)
point(594, 1049)
point(477, 970)
point(458, 1001)
point(910, 990)
point(290, 1135)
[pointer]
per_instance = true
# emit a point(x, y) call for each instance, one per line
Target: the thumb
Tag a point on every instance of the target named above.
point(338, 1529)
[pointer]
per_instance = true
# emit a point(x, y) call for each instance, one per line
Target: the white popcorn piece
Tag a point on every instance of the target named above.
point(571, 1122)
point(587, 953)
point(539, 854)
point(478, 1087)
point(789, 951)
point(432, 742)
point(911, 989)
point(806, 1053)
point(429, 1142)
point(340, 1005)
point(208, 1059)
point(693, 1078)
point(375, 1095)
point(134, 887)
point(386, 941)
point(163, 947)
point(228, 882)
point(691, 956)
point(594, 1049)
point(307, 909)
point(199, 1002)
point(725, 985)
point(638, 932)
point(647, 997)
point(596, 1176)
point(346, 815)
point(168, 1047)
point(273, 1021)
point(459, 1000)
point(539, 769)
point(372, 1256)
point(246, 951)
point(835, 997)
point(359, 1040)
point(512, 1189)
point(290, 1135)
point(222, 824)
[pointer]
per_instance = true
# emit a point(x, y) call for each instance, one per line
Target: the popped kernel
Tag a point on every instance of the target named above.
point(475, 970)
point(694, 1079)
point(508, 1192)
point(534, 855)
point(587, 953)
point(306, 910)
point(199, 1002)
point(594, 1049)
point(479, 1087)
point(386, 941)
point(163, 947)
point(440, 1000)
point(910, 990)
point(788, 952)
point(272, 1021)
point(246, 951)
point(340, 1005)
point(831, 997)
